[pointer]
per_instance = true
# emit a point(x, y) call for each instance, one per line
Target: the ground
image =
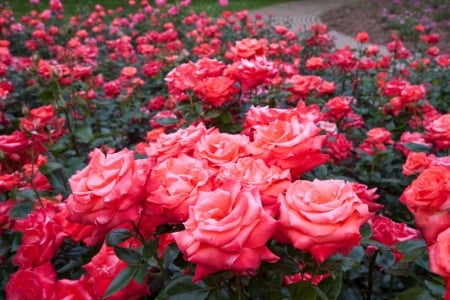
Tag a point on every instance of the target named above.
point(366, 16)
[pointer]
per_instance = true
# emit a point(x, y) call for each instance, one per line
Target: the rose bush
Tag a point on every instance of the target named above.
point(152, 152)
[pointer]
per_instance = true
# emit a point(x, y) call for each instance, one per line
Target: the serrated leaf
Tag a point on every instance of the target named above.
point(128, 255)
point(182, 288)
point(84, 133)
point(121, 280)
point(118, 236)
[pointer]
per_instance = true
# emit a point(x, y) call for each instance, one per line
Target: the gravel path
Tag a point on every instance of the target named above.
point(303, 13)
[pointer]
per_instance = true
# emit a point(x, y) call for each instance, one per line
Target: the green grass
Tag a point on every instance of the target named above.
point(73, 7)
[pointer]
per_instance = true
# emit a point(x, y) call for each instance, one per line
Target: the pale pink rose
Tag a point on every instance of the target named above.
point(227, 229)
point(322, 217)
point(109, 190)
point(223, 2)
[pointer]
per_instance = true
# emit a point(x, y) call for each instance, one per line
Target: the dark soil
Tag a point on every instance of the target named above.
point(365, 15)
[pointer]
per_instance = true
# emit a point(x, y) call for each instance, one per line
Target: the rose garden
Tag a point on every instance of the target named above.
point(156, 152)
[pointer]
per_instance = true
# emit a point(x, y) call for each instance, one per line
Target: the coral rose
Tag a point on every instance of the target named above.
point(219, 148)
point(109, 190)
point(178, 182)
point(271, 181)
point(439, 254)
point(439, 132)
point(289, 145)
point(431, 190)
point(322, 217)
point(227, 229)
point(216, 90)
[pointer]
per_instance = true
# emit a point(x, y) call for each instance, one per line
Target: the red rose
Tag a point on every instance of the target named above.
point(322, 217)
point(216, 90)
point(227, 229)
point(32, 283)
point(42, 237)
point(103, 269)
point(390, 233)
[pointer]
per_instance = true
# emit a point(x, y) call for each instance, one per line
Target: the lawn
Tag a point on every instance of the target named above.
point(73, 7)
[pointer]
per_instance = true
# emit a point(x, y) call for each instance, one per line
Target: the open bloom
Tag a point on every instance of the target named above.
point(227, 229)
point(322, 217)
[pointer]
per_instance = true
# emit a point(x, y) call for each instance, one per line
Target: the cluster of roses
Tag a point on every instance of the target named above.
point(232, 193)
point(25, 149)
point(428, 198)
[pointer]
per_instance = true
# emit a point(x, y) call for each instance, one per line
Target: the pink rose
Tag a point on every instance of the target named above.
point(219, 148)
point(227, 229)
point(178, 182)
point(270, 181)
point(289, 145)
point(322, 217)
point(439, 132)
point(109, 190)
point(439, 254)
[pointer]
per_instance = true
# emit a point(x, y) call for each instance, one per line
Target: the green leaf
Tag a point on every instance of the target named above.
point(141, 273)
point(84, 133)
point(166, 121)
point(213, 113)
point(332, 285)
point(182, 288)
point(170, 254)
point(131, 256)
point(150, 248)
point(303, 290)
point(117, 236)
point(417, 147)
point(21, 209)
point(225, 117)
point(416, 293)
point(121, 280)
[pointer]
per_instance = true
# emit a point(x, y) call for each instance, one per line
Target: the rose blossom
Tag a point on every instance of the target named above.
point(322, 217)
point(289, 145)
point(42, 237)
point(33, 283)
point(430, 190)
point(249, 171)
point(109, 190)
point(178, 182)
point(165, 146)
point(439, 254)
point(439, 132)
point(219, 148)
point(390, 233)
point(416, 162)
point(104, 268)
point(227, 229)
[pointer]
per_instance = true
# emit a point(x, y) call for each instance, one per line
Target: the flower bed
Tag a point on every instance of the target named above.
point(156, 153)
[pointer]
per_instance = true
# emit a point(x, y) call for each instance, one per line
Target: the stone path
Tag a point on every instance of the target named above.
point(303, 13)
